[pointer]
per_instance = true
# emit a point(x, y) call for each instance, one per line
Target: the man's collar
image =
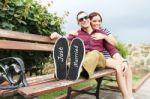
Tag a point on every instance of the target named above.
point(94, 31)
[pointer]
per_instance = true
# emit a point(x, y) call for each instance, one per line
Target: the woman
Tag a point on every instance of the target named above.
point(124, 74)
point(115, 61)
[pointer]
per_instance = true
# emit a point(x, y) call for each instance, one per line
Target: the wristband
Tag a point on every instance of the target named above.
point(125, 61)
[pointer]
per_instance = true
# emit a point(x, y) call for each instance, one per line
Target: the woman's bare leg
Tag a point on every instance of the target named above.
point(128, 77)
point(128, 74)
point(112, 63)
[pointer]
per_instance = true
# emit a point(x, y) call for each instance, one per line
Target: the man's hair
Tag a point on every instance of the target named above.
point(79, 14)
point(93, 14)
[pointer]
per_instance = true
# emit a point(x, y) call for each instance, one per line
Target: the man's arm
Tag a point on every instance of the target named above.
point(115, 55)
point(55, 35)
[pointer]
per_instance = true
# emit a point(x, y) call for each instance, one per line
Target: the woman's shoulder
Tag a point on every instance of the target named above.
point(105, 30)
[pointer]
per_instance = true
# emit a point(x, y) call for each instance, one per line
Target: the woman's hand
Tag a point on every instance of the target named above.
point(98, 36)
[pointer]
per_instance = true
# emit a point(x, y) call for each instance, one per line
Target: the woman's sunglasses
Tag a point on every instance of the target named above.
point(81, 19)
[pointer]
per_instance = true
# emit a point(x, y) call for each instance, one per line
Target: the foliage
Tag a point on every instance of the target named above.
point(123, 50)
point(31, 59)
point(30, 17)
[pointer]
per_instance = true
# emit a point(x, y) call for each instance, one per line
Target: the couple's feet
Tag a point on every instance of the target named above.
point(61, 51)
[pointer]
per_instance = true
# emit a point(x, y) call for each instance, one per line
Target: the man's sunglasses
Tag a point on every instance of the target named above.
point(81, 19)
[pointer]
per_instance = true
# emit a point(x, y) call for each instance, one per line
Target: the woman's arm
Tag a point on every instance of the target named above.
point(110, 39)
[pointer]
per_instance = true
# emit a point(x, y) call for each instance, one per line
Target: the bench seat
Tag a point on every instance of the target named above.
point(54, 85)
point(31, 81)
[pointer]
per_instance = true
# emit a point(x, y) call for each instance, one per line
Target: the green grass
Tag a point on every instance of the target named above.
point(92, 83)
point(55, 94)
point(136, 78)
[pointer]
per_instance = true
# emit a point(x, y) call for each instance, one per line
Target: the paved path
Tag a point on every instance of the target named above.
point(142, 93)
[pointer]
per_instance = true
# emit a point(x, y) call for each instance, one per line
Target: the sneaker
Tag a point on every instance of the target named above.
point(60, 54)
point(77, 52)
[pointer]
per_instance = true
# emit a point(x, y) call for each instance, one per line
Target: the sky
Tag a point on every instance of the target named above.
point(128, 20)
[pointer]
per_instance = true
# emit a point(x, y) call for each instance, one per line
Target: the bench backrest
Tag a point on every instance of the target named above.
point(24, 41)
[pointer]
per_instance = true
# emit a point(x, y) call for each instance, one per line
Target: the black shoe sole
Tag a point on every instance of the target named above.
point(77, 52)
point(60, 54)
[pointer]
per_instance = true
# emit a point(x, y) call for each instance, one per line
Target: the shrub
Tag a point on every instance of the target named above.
point(30, 17)
point(123, 50)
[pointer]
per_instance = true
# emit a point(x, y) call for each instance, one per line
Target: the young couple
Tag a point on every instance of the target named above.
point(100, 50)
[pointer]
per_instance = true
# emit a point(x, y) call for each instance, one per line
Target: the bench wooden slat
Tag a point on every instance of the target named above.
point(40, 79)
point(31, 81)
point(24, 36)
point(36, 90)
point(5, 93)
point(15, 45)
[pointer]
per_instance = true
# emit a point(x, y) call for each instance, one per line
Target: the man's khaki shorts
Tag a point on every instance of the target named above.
point(93, 59)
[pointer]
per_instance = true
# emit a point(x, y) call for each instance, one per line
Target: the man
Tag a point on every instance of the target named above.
point(94, 57)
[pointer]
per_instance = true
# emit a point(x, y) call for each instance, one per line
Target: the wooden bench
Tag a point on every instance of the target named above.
point(40, 85)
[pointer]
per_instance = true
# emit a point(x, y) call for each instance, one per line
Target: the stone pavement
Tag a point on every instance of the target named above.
point(142, 93)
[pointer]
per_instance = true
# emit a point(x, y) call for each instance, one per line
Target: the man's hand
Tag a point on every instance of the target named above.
point(98, 36)
point(55, 35)
point(75, 33)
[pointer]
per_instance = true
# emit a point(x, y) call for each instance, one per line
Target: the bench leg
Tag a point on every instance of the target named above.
point(96, 93)
point(21, 97)
point(69, 93)
point(99, 81)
